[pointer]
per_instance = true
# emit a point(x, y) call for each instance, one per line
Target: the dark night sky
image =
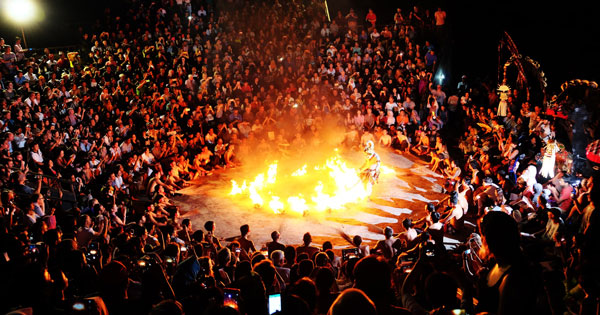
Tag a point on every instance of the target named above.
point(562, 37)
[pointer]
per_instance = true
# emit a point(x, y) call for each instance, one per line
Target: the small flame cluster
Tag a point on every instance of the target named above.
point(326, 187)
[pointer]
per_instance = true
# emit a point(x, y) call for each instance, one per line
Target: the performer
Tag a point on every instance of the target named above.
point(547, 170)
point(370, 170)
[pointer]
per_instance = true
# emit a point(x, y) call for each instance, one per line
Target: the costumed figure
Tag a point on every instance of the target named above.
point(547, 170)
point(369, 172)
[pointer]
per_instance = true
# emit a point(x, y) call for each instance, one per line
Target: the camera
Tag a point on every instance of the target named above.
point(33, 249)
point(349, 253)
point(428, 248)
point(92, 255)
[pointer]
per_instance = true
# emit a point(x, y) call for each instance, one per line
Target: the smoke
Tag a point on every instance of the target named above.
point(292, 143)
point(299, 165)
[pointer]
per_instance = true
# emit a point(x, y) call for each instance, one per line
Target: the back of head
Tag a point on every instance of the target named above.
point(242, 269)
point(302, 256)
point(372, 276)
point(321, 259)
point(266, 271)
point(223, 256)
point(244, 229)
point(388, 232)
point(198, 236)
point(256, 258)
point(307, 238)
point(274, 236)
point(171, 250)
point(113, 279)
point(324, 279)
point(407, 223)
point(305, 268)
point(292, 304)
point(306, 290)
point(440, 289)
point(277, 257)
point(290, 254)
point(501, 236)
point(430, 207)
point(454, 197)
point(352, 301)
point(435, 217)
point(357, 240)
point(209, 225)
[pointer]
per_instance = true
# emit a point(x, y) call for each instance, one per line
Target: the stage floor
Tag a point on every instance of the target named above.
point(396, 196)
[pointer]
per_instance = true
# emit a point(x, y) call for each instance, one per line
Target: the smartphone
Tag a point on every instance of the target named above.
point(349, 253)
point(84, 305)
point(231, 298)
point(430, 252)
point(78, 306)
point(274, 303)
point(33, 249)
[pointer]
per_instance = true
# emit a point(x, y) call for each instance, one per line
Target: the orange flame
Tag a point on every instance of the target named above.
point(330, 186)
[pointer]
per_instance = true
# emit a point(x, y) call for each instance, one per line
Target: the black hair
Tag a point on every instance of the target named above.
point(430, 207)
point(502, 236)
point(244, 229)
point(435, 217)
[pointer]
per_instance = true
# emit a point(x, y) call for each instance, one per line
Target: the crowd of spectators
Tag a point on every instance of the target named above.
point(97, 141)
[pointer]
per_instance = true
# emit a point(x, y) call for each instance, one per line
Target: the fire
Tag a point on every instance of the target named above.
point(324, 187)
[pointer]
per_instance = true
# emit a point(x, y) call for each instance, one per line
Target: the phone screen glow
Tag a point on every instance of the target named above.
point(274, 303)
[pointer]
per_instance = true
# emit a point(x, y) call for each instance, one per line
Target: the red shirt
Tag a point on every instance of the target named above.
point(371, 17)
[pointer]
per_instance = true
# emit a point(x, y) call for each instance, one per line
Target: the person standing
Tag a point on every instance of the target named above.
point(19, 51)
point(440, 18)
point(275, 244)
point(246, 244)
point(371, 18)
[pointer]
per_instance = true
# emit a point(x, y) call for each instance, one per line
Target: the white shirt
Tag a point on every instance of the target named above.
point(31, 77)
point(20, 139)
point(148, 157)
point(126, 147)
point(390, 106)
point(118, 182)
point(37, 156)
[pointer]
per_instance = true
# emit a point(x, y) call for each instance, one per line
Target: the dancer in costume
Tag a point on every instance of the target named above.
point(369, 172)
